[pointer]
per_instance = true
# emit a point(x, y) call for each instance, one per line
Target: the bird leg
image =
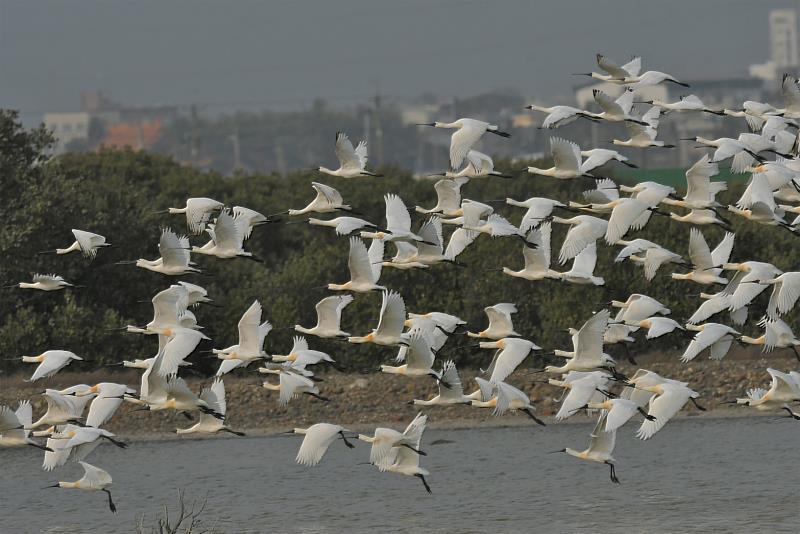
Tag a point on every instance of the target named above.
point(424, 482)
point(120, 444)
point(614, 478)
point(797, 355)
point(645, 414)
point(421, 453)
point(791, 413)
point(316, 396)
point(226, 429)
point(697, 405)
point(628, 354)
point(111, 505)
point(38, 446)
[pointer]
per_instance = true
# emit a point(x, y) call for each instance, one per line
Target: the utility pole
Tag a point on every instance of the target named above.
point(378, 129)
point(237, 157)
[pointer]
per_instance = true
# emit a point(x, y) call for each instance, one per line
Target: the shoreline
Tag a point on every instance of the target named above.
point(361, 402)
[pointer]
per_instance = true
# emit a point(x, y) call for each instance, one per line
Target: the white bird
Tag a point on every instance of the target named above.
point(616, 74)
point(744, 287)
point(385, 439)
point(587, 354)
point(601, 446)
point(249, 219)
point(329, 317)
point(668, 400)
point(214, 397)
point(398, 222)
point(74, 443)
point(252, 333)
point(328, 200)
point(15, 425)
point(479, 165)
point(626, 215)
point(638, 307)
point(652, 77)
point(405, 461)
point(175, 256)
point(94, 479)
point(227, 238)
point(291, 385)
point(777, 335)
point(61, 408)
point(605, 191)
point(448, 197)
point(316, 440)
point(724, 147)
point(419, 359)
point(619, 412)
point(582, 271)
point(656, 326)
point(109, 397)
point(506, 397)
point(198, 212)
point(707, 264)
point(566, 157)
point(700, 190)
point(44, 282)
point(558, 115)
point(468, 132)
point(785, 292)
point(538, 210)
point(655, 257)
point(684, 104)
point(500, 323)
point(644, 132)
point(451, 390)
point(352, 161)
point(537, 260)
point(584, 230)
point(618, 110)
point(757, 204)
point(581, 388)
point(390, 324)
point(598, 157)
point(85, 242)
point(713, 336)
point(510, 353)
point(633, 391)
point(50, 362)
point(364, 265)
point(783, 389)
point(179, 347)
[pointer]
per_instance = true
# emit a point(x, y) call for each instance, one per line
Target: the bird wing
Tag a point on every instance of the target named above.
point(419, 354)
point(580, 236)
point(500, 227)
point(585, 262)
point(622, 217)
point(228, 232)
point(702, 340)
point(612, 68)
point(316, 441)
point(607, 103)
point(722, 252)
point(393, 314)
point(590, 337)
point(709, 307)
point(375, 256)
point(346, 154)
point(603, 439)
point(177, 350)
point(459, 240)
point(605, 191)
point(327, 194)
point(413, 432)
point(101, 410)
point(462, 140)
point(384, 440)
point(361, 152)
point(784, 294)
point(719, 349)
point(560, 116)
point(699, 251)
point(500, 316)
point(480, 162)
point(448, 194)
point(51, 364)
point(397, 215)
point(663, 408)
point(214, 396)
point(451, 378)
point(653, 259)
point(506, 393)
point(791, 93)
point(579, 393)
point(660, 326)
point(698, 179)
point(538, 259)
point(783, 385)
point(431, 231)
point(566, 154)
point(174, 250)
point(94, 476)
point(329, 311)
point(249, 329)
point(88, 242)
point(507, 359)
point(359, 262)
point(290, 384)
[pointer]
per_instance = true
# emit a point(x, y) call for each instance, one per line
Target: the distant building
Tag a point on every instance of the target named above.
point(68, 128)
point(139, 135)
point(784, 42)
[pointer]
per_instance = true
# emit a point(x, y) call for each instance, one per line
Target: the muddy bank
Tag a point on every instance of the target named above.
point(365, 400)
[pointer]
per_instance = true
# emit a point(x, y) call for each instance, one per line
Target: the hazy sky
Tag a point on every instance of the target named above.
point(283, 54)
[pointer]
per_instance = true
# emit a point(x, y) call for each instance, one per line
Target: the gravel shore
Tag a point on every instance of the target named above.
point(360, 401)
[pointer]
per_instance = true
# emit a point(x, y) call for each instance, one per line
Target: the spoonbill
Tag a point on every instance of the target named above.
point(175, 256)
point(510, 353)
point(316, 440)
point(707, 264)
point(405, 461)
point(108, 398)
point(538, 210)
point(713, 336)
point(328, 200)
point(617, 110)
point(468, 132)
point(94, 479)
point(587, 354)
point(582, 271)
point(581, 387)
point(214, 397)
point(390, 324)
point(329, 317)
point(398, 222)
point(50, 362)
point(419, 359)
point(783, 389)
point(45, 282)
point(600, 446)
point(227, 238)
point(291, 385)
point(537, 260)
point(479, 165)
point(643, 133)
point(249, 219)
point(365, 267)
point(14, 425)
point(352, 161)
point(385, 439)
point(668, 401)
point(566, 157)
point(451, 390)
point(448, 197)
point(507, 397)
point(500, 323)
point(777, 334)
point(584, 230)
point(198, 212)
point(87, 243)
point(559, 115)
point(61, 408)
point(700, 190)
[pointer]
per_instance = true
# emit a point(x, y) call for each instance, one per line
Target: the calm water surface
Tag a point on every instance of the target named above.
point(730, 475)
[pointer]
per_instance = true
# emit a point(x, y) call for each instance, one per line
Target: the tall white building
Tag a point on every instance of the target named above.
point(784, 42)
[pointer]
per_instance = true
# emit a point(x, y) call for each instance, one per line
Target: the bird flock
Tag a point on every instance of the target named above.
point(587, 379)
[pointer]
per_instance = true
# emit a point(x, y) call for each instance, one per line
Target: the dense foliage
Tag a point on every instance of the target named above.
point(116, 194)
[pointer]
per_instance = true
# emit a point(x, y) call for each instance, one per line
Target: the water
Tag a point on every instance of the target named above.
point(735, 474)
